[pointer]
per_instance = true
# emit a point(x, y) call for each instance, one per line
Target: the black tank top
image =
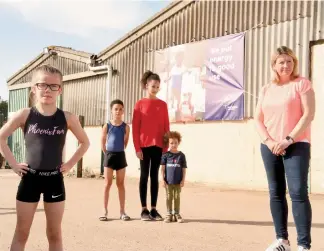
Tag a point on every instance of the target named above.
point(45, 139)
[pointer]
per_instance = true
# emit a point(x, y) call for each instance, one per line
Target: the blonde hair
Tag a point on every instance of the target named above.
point(46, 69)
point(43, 69)
point(283, 50)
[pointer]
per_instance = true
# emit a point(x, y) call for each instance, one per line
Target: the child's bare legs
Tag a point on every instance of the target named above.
point(25, 216)
point(120, 179)
point(176, 97)
point(54, 215)
point(108, 174)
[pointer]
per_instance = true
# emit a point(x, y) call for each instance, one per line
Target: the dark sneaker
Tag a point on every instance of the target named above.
point(145, 215)
point(155, 215)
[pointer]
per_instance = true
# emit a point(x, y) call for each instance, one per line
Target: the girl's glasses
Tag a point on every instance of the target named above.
point(53, 87)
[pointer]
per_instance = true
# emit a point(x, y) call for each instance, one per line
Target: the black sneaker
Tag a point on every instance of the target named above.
point(145, 215)
point(155, 215)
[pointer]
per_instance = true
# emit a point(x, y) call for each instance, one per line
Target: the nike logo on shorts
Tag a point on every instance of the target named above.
point(53, 197)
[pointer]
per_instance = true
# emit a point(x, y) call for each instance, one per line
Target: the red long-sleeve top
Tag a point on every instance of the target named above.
point(150, 123)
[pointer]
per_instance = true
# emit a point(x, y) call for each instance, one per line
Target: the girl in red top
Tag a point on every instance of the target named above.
point(150, 123)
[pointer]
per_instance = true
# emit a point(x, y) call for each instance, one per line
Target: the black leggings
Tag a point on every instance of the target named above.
point(150, 165)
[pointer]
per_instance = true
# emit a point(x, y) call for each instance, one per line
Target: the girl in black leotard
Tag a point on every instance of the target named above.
point(45, 127)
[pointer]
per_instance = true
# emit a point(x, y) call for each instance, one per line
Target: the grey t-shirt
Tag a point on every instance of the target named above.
point(174, 162)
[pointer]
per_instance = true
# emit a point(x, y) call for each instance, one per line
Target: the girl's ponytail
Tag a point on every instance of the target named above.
point(147, 76)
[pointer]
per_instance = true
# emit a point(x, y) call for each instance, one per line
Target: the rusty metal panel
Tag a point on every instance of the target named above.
point(67, 66)
point(87, 97)
point(267, 24)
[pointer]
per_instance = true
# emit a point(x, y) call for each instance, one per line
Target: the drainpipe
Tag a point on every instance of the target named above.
point(107, 68)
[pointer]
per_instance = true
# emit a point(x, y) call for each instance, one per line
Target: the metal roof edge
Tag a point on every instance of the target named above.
point(25, 68)
point(71, 51)
point(145, 24)
point(66, 78)
point(29, 66)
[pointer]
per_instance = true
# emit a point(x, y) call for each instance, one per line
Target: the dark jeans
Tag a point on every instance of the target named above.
point(295, 164)
point(150, 165)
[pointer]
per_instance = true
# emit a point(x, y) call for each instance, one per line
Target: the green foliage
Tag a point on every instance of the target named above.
point(3, 111)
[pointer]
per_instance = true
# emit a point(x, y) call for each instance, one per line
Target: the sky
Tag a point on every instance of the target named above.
point(27, 26)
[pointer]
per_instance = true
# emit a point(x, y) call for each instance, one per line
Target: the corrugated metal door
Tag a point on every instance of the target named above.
point(317, 158)
point(18, 99)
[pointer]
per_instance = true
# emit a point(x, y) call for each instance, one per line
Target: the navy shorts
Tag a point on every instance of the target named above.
point(35, 183)
point(115, 160)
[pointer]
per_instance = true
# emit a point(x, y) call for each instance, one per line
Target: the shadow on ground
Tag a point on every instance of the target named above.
point(229, 222)
point(251, 223)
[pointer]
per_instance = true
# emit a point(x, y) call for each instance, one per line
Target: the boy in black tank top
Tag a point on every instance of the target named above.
point(45, 127)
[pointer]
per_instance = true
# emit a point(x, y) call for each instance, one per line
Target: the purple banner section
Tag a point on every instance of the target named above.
point(203, 80)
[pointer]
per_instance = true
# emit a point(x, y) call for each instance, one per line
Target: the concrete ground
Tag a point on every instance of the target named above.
point(216, 220)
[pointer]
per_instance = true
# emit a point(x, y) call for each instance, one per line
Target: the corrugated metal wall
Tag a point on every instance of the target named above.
point(87, 97)
point(126, 84)
point(268, 24)
point(259, 46)
point(67, 66)
point(18, 99)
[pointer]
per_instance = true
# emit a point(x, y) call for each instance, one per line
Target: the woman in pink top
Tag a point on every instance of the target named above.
point(284, 113)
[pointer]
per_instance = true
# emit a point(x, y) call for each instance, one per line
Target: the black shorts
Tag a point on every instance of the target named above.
point(115, 160)
point(35, 183)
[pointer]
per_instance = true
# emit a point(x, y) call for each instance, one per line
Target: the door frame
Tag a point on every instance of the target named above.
point(311, 44)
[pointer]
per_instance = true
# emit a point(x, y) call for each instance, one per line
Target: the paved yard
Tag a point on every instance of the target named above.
point(216, 220)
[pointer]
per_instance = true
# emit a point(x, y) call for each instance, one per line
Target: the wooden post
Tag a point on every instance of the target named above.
point(102, 156)
point(80, 162)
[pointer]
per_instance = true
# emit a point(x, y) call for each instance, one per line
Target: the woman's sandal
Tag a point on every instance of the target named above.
point(103, 218)
point(124, 217)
